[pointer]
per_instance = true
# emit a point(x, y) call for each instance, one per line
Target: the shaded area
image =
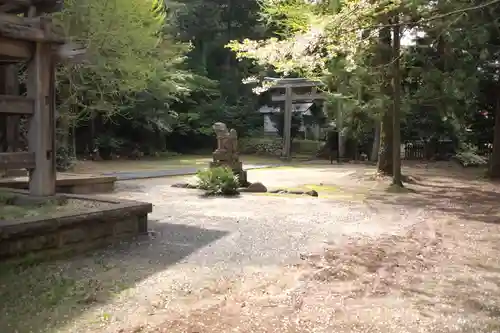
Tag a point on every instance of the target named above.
point(441, 276)
point(466, 199)
point(46, 296)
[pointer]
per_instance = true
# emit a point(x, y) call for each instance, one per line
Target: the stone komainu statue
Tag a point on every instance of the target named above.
point(227, 145)
point(226, 153)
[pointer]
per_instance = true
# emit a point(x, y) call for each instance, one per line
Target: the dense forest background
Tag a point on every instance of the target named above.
point(158, 74)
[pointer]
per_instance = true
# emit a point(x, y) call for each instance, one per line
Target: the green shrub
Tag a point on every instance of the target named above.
point(65, 159)
point(273, 146)
point(470, 159)
point(307, 146)
point(218, 181)
point(261, 146)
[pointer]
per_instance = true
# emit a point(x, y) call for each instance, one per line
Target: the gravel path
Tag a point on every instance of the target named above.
point(195, 243)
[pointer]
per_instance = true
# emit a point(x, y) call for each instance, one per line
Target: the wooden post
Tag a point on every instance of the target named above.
point(340, 127)
point(53, 118)
point(41, 130)
point(287, 130)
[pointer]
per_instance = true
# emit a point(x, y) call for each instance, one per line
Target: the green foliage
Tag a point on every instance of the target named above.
point(468, 157)
point(218, 181)
point(7, 198)
point(261, 146)
point(65, 159)
point(272, 146)
point(126, 54)
point(161, 73)
point(108, 143)
point(306, 147)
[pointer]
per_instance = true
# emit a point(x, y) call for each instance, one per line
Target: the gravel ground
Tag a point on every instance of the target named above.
point(195, 243)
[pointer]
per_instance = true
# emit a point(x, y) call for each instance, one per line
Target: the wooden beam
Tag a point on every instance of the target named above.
point(292, 82)
point(16, 105)
point(287, 130)
point(20, 160)
point(308, 84)
point(13, 5)
point(41, 129)
point(298, 98)
point(34, 29)
point(20, 6)
point(15, 48)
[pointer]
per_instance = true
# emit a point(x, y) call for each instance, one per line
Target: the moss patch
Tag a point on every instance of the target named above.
point(13, 206)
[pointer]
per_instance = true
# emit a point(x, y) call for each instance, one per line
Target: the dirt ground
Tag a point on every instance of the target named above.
point(390, 272)
point(443, 275)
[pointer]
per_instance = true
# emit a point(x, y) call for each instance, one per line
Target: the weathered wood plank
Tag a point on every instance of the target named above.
point(19, 160)
point(292, 82)
point(35, 29)
point(41, 130)
point(297, 97)
point(16, 105)
point(15, 48)
point(20, 6)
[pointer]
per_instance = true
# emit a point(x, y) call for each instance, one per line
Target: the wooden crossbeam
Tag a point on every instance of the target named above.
point(15, 48)
point(20, 6)
point(292, 82)
point(20, 160)
point(16, 105)
point(34, 29)
point(299, 98)
point(308, 84)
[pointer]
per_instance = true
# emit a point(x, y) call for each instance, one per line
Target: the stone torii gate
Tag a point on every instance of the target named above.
point(28, 36)
point(291, 90)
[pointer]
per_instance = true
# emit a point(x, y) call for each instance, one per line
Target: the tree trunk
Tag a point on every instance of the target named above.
point(494, 168)
point(396, 113)
point(376, 142)
point(385, 159)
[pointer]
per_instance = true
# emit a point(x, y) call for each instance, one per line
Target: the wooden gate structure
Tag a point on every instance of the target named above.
point(28, 36)
point(292, 90)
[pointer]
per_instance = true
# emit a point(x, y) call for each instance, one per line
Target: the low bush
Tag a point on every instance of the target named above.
point(261, 146)
point(307, 146)
point(470, 159)
point(65, 159)
point(273, 146)
point(218, 181)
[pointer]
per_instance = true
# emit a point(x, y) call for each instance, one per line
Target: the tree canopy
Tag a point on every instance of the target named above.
point(158, 74)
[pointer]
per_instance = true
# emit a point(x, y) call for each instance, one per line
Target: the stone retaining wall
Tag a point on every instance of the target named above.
point(76, 232)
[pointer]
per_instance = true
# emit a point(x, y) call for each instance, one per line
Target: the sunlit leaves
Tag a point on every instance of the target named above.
point(127, 53)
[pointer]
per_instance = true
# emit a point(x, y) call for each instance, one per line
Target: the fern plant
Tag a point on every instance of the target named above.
point(218, 181)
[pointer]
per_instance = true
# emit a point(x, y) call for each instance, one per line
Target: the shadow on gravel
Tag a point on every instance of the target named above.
point(465, 198)
point(44, 297)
